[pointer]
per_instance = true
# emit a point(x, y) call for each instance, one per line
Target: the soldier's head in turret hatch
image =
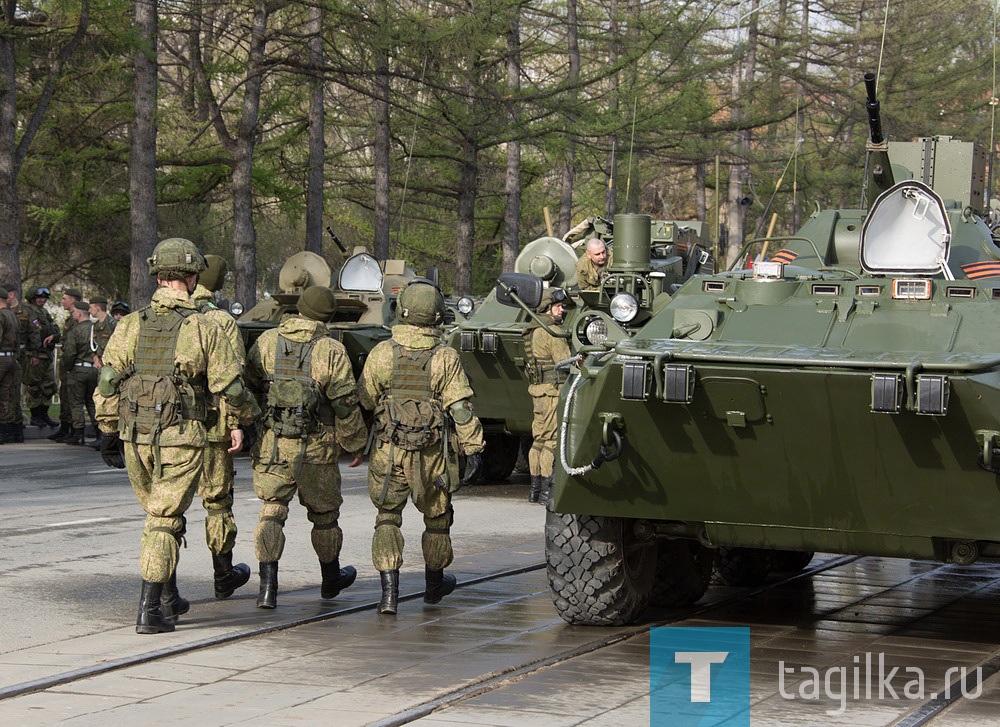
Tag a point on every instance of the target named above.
point(597, 251)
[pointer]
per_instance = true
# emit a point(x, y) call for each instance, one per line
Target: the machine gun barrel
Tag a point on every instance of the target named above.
point(872, 105)
point(336, 239)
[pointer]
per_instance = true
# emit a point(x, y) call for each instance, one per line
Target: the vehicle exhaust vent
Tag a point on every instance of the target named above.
point(635, 381)
point(824, 289)
point(869, 290)
point(468, 341)
point(933, 393)
point(961, 292)
point(490, 342)
point(996, 293)
point(717, 286)
point(887, 393)
point(678, 383)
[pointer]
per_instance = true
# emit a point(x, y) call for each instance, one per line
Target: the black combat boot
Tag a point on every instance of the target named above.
point(75, 437)
point(38, 416)
point(65, 429)
point(390, 592)
point(335, 578)
point(96, 444)
point(151, 620)
point(268, 595)
point(172, 604)
point(18, 432)
point(228, 577)
point(536, 488)
point(6, 433)
point(45, 415)
point(546, 493)
point(439, 585)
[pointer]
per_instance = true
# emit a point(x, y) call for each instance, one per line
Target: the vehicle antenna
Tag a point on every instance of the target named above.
point(631, 144)
point(406, 175)
point(993, 113)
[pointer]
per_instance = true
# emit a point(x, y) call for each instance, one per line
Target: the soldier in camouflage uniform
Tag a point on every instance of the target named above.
point(160, 366)
point(100, 334)
point(70, 297)
point(423, 419)
point(120, 309)
point(29, 350)
point(592, 265)
point(76, 366)
point(311, 415)
point(39, 380)
point(542, 352)
point(10, 401)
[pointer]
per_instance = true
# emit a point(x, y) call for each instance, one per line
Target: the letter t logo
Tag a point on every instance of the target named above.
point(701, 671)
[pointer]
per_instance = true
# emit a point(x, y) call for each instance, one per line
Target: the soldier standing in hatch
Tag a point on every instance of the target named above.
point(542, 352)
point(418, 390)
point(29, 349)
point(160, 366)
point(591, 266)
point(39, 381)
point(311, 415)
point(10, 400)
point(77, 367)
point(70, 297)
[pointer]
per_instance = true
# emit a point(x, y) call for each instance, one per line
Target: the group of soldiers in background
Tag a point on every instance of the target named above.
point(28, 346)
point(175, 400)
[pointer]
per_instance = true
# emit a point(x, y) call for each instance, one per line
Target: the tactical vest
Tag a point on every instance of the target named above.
point(539, 372)
point(156, 395)
point(408, 415)
point(296, 404)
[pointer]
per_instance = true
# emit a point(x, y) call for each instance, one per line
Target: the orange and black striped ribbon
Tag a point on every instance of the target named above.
point(784, 256)
point(978, 271)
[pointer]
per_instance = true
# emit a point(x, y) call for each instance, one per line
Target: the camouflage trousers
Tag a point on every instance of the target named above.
point(39, 383)
point(544, 428)
point(318, 488)
point(65, 417)
point(165, 498)
point(215, 488)
point(410, 475)
point(80, 384)
point(10, 390)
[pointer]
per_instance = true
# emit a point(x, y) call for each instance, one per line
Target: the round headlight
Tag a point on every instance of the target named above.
point(624, 306)
point(596, 331)
point(236, 309)
point(464, 305)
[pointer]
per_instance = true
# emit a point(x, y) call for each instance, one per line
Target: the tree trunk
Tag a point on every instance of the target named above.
point(739, 172)
point(569, 163)
point(142, 158)
point(611, 193)
point(10, 233)
point(383, 139)
point(800, 119)
point(512, 186)
point(317, 141)
point(701, 200)
point(466, 217)
point(244, 233)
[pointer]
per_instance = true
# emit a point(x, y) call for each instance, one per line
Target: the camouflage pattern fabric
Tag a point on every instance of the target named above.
point(39, 378)
point(77, 367)
point(215, 488)
point(102, 331)
point(65, 416)
point(415, 474)
point(588, 275)
point(10, 370)
point(275, 459)
point(548, 350)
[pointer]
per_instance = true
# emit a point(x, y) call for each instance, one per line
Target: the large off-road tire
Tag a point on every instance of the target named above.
point(683, 572)
point(500, 456)
point(791, 561)
point(600, 572)
point(742, 566)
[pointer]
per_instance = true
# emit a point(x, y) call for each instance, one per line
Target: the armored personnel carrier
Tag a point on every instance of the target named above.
point(841, 396)
point(650, 259)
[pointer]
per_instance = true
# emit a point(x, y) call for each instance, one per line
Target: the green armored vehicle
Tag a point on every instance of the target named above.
point(841, 396)
point(491, 341)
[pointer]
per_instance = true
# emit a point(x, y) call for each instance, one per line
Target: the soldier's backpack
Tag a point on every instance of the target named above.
point(296, 406)
point(409, 416)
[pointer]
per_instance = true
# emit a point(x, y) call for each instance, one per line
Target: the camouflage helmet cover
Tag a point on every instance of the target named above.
point(420, 304)
point(215, 272)
point(176, 255)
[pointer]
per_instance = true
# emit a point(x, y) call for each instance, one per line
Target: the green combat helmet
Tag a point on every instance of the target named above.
point(420, 304)
point(318, 303)
point(215, 272)
point(551, 297)
point(178, 256)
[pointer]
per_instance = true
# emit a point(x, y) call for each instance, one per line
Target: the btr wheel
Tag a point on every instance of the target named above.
point(500, 456)
point(683, 571)
point(791, 561)
point(600, 572)
point(742, 566)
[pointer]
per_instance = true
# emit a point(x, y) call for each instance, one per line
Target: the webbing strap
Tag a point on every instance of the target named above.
point(273, 519)
point(157, 342)
point(326, 526)
point(411, 375)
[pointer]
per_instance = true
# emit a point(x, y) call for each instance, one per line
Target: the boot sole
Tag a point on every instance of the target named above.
point(154, 629)
point(334, 592)
point(268, 606)
point(227, 592)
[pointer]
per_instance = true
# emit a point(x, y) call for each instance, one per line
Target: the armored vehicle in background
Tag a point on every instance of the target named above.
point(842, 396)
point(650, 259)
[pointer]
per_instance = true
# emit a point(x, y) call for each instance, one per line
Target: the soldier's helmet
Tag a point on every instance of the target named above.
point(120, 306)
point(176, 256)
point(318, 303)
point(215, 272)
point(420, 304)
point(31, 293)
point(552, 296)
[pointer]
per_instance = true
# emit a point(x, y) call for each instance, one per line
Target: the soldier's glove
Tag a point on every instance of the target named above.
point(473, 466)
point(113, 451)
point(250, 437)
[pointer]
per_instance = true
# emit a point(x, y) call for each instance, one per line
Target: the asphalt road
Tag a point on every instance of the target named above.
point(70, 529)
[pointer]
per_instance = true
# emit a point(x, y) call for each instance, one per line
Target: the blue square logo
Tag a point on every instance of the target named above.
point(698, 677)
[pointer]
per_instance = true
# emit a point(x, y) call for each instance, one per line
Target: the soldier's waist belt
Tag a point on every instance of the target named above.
point(84, 365)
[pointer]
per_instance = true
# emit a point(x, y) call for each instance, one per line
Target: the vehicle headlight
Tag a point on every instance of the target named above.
point(465, 305)
point(596, 331)
point(236, 309)
point(624, 307)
